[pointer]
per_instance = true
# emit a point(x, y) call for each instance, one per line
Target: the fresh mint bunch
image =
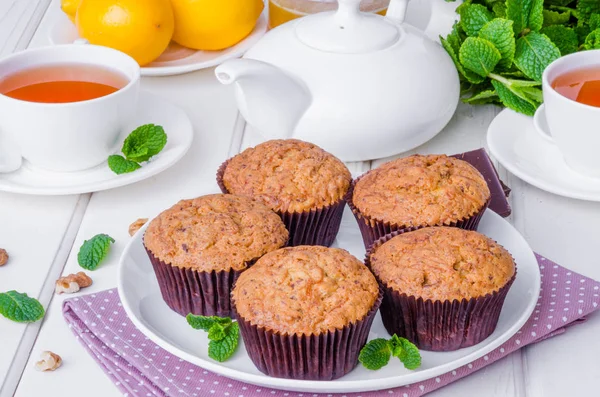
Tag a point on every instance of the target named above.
point(20, 308)
point(143, 143)
point(93, 251)
point(377, 353)
point(223, 334)
point(501, 47)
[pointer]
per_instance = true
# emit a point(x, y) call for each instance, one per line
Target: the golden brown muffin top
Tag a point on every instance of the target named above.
point(421, 190)
point(443, 263)
point(215, 232)
point(288, 175)
point(305, 290)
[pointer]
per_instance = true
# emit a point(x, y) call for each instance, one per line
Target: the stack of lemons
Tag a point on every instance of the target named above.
point(144, 28)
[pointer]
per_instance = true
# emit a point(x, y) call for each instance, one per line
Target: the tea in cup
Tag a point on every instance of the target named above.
point(63, 108)
point(570, 115)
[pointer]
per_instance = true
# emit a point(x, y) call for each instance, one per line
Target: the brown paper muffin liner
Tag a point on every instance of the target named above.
point(318, 226)
point(373, 229)
point(324, 356)
point(187, 291)
point(439, 325)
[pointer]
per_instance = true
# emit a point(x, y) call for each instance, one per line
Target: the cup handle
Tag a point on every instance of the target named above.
point(10, 158)
point(541, 125)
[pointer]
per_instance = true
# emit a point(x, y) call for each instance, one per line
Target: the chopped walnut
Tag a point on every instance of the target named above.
point(3, 257)
point(135, 226)
point(72, 283)
point(49, 362)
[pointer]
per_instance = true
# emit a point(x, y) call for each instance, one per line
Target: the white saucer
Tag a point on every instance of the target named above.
point(151, 109)
point(522, 150)
point(145, 307)
point(176, 59)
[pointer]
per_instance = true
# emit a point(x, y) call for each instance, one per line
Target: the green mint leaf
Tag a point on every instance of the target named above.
point(534, 52)
point(406, 351)
point(479, 56)
point(144, 142)
point(592, 41)
point(483, 97)
point(556, 18)
point(582, 33)
point(206, 322)
point(375, 354)
point(585, 9)
point(94, 250)
point(526, 14)
point(536, 16)
point(564, 38)
point(532, 93)
point(513, 101)
point(19, 307)
point(223, 349)
point(464, 74)
point(499, 9)
point(119, 165)
point(216, 332)
point(473, 17)
point(499, 32)
point(594, 21)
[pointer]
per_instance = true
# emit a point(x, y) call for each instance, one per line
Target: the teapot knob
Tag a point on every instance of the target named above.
point(348, 12)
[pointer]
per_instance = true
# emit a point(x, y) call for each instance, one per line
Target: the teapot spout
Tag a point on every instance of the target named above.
point(269, 99)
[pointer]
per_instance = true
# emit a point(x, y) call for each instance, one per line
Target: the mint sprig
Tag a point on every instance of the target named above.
point(93, 251)
point(377, 353)
point(501, 47)
point(21, 308)
point(140, 145)
point(223, 334)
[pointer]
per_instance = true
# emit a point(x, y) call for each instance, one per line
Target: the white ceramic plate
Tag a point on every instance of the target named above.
point(517, 145)
point(143, 303)
point(151, 109)
point(176, 59)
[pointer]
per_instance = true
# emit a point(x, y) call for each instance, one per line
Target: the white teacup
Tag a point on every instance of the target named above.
point(572, 126)
point(66, 136)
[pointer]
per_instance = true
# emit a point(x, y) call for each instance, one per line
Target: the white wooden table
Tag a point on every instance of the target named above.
point(43, 235)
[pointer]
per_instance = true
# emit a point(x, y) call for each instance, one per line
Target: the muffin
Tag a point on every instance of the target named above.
point(304, 184)
point(417, 191)
point(443, 287)
point(305, 312)
point(199, 247)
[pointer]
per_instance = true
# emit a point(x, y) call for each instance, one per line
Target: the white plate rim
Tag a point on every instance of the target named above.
point(494, 130)
point(159, 71)
point(186, 133)
point(337, 386)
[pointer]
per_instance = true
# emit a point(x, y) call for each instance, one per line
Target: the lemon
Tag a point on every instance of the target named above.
point(139, 28)
point(69, 7)
point(214, 24)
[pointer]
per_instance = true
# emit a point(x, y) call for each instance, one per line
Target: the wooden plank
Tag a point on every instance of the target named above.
point(19, 20)
point(33, 228)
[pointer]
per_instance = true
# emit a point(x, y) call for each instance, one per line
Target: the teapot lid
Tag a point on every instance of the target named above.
point(348, 30)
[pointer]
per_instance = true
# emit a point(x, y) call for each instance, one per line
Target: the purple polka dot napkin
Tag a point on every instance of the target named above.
point(140, 368)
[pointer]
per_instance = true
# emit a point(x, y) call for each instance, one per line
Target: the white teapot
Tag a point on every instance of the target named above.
point(359, 85)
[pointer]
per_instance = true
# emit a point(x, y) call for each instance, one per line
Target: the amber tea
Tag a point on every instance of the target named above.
point(62, 83)
point(581, 85)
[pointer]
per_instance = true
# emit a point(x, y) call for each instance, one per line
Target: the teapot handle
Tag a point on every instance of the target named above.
point(397, 10)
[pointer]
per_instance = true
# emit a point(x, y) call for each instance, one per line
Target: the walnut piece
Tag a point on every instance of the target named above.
point(3, 257)
point(72, 283)
point(135, 226)
point(49, 362)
